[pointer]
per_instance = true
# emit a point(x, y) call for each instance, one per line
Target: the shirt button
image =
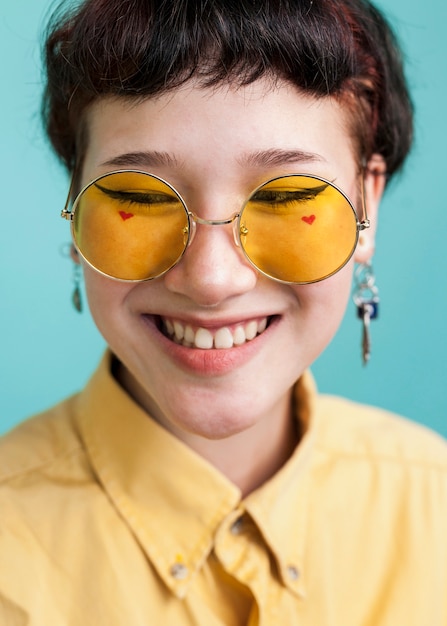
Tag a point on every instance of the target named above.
point(293, 572)
point(179, 571)
point(236, 527)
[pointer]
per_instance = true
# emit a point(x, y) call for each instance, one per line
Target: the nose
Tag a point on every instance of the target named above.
point(212, 269)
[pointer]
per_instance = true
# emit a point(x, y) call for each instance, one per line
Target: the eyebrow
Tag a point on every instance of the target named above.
point(264, 158)
point(275, 157)
point(146, 158)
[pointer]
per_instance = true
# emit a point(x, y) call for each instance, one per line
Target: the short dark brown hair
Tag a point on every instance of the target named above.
point(141, 48)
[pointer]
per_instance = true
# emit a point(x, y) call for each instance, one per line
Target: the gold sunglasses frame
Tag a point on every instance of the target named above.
point(68, 214)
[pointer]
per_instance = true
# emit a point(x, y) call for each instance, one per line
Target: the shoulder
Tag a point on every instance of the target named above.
point(351, 429)
point(39, 441)
point(382, 468)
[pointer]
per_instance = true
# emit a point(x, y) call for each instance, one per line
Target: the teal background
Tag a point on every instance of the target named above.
point(48, 351)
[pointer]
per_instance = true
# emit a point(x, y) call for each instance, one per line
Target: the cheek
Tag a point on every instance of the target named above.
point(326, 301)
point(105, 297)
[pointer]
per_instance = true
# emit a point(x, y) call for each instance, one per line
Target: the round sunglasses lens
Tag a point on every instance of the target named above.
point(298, 229)
point(130, 225)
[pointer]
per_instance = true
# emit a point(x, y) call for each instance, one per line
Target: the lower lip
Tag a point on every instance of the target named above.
point(212, 362)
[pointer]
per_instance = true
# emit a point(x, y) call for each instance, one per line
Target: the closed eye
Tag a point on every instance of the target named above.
point(284, 197)
point(138, 197)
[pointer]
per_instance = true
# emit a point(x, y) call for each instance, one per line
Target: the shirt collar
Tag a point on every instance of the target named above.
point(154, 481)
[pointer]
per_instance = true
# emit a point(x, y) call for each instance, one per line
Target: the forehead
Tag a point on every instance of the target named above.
point(192, 125)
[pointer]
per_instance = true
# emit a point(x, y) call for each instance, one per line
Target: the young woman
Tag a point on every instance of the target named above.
point(227, 162)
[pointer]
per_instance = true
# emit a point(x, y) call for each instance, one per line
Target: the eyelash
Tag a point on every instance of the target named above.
point(267, 196)
point(286, 198)
point(129, 197)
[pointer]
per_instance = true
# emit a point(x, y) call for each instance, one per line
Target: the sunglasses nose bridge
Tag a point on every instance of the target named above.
point(195, 219)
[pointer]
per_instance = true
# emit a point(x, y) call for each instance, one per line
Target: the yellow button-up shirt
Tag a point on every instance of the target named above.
point(107, 519)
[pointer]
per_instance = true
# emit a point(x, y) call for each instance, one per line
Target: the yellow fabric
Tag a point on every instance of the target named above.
point(106, 519)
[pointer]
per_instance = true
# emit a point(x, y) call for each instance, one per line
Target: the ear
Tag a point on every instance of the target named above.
point(374, 184)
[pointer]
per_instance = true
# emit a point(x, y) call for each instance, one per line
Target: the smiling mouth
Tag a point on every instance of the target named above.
point(222, 338)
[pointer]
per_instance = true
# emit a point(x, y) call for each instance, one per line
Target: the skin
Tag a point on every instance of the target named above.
point(231, 406)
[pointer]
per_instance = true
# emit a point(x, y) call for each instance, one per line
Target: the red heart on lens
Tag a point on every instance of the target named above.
point(309, 219)
point(124, 215)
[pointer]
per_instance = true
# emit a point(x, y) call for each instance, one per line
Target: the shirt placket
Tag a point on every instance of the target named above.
point(244, 554)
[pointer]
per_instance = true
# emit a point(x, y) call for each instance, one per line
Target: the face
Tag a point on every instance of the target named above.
point(242, 338)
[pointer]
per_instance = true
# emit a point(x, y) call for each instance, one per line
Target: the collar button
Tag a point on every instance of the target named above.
point(236, 526)
point(293, 573)
point(179, 571)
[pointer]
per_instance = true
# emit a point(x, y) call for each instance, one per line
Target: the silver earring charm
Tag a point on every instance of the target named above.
point(366, 299)
point(76, 295)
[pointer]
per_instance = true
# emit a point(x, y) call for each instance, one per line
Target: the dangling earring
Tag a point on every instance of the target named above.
point(76, 297)
point(366, 299)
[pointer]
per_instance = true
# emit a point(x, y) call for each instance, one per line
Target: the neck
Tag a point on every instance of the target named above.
point(248, 458)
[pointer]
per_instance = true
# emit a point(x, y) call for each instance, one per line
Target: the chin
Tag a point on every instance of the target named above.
point(215, 424)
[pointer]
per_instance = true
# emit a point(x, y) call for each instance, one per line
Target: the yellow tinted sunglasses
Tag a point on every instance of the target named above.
point(134, 226)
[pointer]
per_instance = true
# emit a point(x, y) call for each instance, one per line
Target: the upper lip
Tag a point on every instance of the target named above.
point(211, 323)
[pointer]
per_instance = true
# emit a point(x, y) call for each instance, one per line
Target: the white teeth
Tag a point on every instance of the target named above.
point(203, 339)
point(179, 331)
point(189, 334)
point(262, 325)
point(251, 329)
point(239, 336)
point(222, 339)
